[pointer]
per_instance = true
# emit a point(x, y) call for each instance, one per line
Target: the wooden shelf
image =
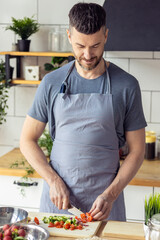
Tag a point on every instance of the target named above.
point(39, 54)
point(26, 82)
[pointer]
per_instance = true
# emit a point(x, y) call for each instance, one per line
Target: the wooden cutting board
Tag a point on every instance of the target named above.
point(87, 231)
point(125, 230)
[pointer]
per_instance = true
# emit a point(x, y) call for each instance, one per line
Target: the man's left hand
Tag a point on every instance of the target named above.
point(101, 208)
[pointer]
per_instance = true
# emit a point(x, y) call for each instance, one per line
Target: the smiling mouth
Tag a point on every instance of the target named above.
point(88, 61)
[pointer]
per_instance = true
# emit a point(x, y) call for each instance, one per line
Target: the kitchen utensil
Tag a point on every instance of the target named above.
point(88, 230)
point(75, 211)
point(33, 232)
point(12, 215)
point(125, 230)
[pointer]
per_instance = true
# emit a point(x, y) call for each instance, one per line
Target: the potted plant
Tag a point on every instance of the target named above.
point(55, 63)
point(45, 142)
point(24, 28)
point(3, 93)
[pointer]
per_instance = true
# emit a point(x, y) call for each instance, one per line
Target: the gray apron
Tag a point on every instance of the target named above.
point(85, 151)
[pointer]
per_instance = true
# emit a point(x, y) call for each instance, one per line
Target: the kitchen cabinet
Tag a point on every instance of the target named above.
point(19, 55)
point(27, 197)
point(134, 201)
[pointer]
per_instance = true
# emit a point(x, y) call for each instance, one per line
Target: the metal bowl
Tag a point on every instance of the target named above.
point(12, 215)
point(33, 232)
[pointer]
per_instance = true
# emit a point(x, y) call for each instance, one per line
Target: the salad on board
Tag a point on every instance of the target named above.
point(68, 223)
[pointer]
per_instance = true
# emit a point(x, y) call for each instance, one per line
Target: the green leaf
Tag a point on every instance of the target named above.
point(24, 27)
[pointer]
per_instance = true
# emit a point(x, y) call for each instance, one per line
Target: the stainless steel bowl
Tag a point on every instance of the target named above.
point(12, 215)
point(33, 232)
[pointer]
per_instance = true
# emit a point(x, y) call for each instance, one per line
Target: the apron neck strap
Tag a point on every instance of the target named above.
point(65, 86)
point(108, 79)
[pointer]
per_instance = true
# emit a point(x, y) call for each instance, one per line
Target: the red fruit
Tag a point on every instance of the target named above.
point(1, 235)
point(5, 227)
point(8, 232)
point(7, 238)
point(21, 232)
point(14, 227)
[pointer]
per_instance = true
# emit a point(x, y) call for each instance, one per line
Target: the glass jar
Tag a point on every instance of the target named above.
point(158, 147)
point(154, 227)
point(54, 39)
point(150, 145)
point(65, 46)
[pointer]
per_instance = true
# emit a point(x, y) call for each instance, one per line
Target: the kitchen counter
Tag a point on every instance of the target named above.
point(148, 174)
point(111, 230)
point(108, 230)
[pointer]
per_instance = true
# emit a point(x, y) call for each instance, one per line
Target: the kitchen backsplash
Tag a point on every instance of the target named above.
point(145, 66)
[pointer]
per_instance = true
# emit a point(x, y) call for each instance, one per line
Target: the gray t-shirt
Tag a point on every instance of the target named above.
point(127, 105)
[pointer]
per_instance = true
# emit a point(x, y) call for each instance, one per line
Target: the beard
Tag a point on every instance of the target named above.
point(96, 60)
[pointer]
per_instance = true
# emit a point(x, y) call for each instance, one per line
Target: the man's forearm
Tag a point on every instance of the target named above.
point(38, 160)
point(125, 174)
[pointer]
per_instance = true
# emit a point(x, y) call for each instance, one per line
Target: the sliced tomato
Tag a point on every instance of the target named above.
point(84, 220)
point(79, 227)
point(56, 223)
point(51, 224)
point(59, 226)
point(67, 225)
point(36, 220)
point(61, 223)
point(90, 219)
point(72, 227)
point(83, 215)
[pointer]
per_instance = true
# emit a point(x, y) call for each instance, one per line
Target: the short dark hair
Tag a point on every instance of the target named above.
point(87, 18)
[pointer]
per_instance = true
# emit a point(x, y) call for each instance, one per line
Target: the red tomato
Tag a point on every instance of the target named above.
point(67, 225)
point(90, 218)
point(36, 220)
point(83, 216)
point(56, 223)
point(59, 226)
point(79, 227)
point(51, 224)
point(61, 223)
point(72, 227)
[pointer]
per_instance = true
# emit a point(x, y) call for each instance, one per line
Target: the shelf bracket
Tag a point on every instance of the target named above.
point(8, 67)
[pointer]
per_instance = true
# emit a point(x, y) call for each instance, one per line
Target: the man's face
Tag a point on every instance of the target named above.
point(88, 49)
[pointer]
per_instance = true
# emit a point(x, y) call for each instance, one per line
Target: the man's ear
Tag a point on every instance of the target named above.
point(106, 35)
point(69, 35)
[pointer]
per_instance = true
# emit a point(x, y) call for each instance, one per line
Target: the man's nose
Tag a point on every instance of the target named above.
point(87, 54)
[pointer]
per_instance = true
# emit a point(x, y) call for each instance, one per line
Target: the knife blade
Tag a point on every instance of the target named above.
point(75, 211)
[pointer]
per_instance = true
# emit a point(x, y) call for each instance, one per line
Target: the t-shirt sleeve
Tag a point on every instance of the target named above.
point(134, 117)
point(38, 109)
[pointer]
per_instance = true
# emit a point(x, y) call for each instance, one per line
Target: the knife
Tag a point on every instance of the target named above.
point(75, 211)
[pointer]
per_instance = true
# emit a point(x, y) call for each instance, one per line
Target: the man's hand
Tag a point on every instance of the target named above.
point(59, 194)
point(101, 208)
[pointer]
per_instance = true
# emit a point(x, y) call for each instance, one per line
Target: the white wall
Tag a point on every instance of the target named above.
point(145, 66)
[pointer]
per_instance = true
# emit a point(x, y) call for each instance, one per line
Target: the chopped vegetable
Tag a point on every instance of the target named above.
point(36, 220)
point(70, 223)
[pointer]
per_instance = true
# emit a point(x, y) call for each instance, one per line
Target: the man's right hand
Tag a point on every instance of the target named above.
point(59, 194)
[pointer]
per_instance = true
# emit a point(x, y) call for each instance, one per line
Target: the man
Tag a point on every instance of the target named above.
point(92, 108)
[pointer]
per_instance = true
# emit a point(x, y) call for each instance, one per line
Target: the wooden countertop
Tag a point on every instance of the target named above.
point(148, 174)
